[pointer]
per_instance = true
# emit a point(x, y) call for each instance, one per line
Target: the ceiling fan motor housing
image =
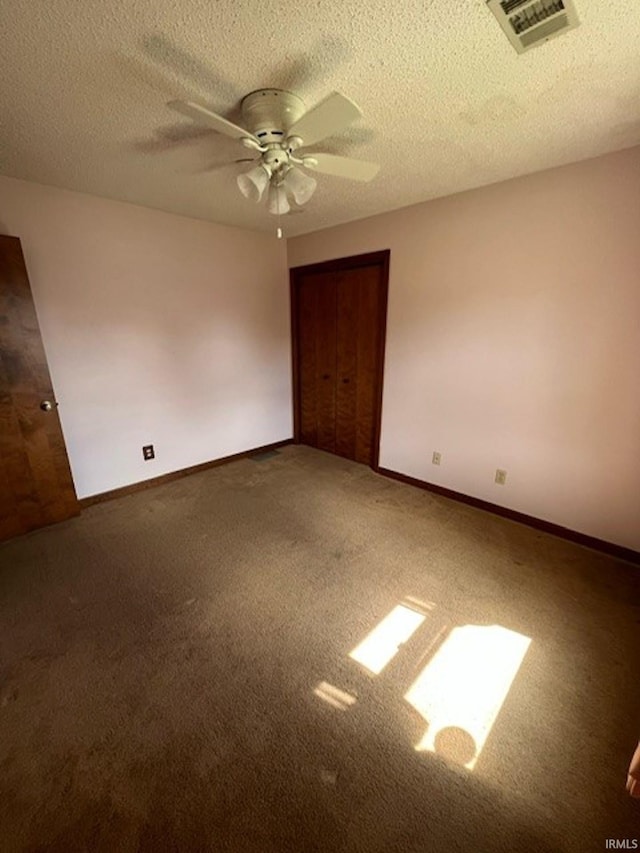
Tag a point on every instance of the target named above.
point(269, 113)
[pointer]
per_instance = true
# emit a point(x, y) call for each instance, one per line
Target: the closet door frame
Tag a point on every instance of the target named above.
point(296, 274)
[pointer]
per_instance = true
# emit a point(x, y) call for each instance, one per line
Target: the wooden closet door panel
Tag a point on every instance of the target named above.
point(326, 344)
point(307, 371)
point(367, 282)
point(317, 360)
point(347, 367)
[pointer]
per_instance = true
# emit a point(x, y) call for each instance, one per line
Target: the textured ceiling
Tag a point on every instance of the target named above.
point(448, 104)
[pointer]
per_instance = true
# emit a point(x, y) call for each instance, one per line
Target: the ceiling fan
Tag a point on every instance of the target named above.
point(277, 129)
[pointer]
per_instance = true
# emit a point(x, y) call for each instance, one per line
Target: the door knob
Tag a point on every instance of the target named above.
point(46, 405)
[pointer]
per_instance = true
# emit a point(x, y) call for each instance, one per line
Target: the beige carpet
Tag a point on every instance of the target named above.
point(159, 657)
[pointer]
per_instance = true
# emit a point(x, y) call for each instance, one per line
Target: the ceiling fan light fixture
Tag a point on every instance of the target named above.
point(301, 186)
point(277, 126)
point(253, 183)
point(277, 201)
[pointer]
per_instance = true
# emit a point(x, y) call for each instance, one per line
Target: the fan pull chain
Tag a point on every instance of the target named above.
point(279, 228)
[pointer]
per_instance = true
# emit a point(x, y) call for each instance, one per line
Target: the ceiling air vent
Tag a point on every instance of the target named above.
point(530, 23)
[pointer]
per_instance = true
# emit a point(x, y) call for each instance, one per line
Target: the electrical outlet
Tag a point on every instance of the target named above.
point(148, 452)
point(501, 476)
point(436, 458)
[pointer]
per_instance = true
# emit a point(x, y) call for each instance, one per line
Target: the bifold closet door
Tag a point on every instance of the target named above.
point(339, 318)
point(358, 352)
point(317, 348)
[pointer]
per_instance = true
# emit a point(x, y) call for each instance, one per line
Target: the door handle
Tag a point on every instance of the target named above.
point(47, 405)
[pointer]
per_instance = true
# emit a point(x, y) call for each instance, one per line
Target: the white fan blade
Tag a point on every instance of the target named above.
point(213, 166)
point(342, 167)
point(330, 116)
point(204, 116)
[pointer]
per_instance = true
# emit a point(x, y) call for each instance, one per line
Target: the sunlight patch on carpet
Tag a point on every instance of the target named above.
point(335, 697)
point(463, 687)
point(383, 642)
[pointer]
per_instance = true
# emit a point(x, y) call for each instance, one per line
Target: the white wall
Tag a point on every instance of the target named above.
point(158, 329)
point(513, 341)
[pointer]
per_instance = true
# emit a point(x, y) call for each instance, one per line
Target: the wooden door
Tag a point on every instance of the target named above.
point(36, 487)
point(317, 324)
point(339, 317)
point(359, 297)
